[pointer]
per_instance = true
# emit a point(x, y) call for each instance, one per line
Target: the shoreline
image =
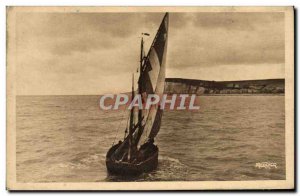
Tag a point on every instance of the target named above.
point(279, 94)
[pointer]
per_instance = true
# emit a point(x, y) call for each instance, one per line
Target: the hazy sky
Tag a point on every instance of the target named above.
point(95, 53)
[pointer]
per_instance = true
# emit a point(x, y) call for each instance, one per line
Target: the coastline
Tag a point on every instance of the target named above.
point(265, 94)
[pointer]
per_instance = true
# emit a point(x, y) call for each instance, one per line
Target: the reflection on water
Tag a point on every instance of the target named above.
point(65, 139)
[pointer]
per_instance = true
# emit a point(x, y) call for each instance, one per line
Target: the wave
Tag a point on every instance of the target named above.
point(83, 162)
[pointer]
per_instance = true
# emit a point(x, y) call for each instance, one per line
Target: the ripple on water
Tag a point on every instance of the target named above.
point(65, 139)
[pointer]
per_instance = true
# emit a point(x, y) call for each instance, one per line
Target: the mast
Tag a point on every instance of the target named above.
point(131, 124)
point(140, 83)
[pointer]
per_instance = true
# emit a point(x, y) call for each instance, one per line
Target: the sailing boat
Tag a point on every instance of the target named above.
point(134, 156)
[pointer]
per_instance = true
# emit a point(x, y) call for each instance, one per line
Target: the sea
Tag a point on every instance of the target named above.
point(65, 139)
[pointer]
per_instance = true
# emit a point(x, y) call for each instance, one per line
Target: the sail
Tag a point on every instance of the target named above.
point(152, 79)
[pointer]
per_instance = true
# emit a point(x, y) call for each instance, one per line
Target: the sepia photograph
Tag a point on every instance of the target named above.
point(150, 98)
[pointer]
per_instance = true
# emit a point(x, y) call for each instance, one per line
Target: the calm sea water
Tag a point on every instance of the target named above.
point(65, 139)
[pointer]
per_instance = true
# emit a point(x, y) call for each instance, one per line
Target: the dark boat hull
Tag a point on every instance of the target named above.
point(124, 168)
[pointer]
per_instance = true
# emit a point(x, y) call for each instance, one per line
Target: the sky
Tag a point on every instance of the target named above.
point(96, 53)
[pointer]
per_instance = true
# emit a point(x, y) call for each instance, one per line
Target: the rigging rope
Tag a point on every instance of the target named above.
point(119, 126)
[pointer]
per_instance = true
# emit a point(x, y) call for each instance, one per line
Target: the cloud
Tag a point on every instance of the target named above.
point(243, 21)
point(92, 53)
point(228, 38)
point(65, 33)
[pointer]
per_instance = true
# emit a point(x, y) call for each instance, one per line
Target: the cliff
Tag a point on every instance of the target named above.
point(190, 86)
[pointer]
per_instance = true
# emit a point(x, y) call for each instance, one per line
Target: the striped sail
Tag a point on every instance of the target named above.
point(152, 79)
